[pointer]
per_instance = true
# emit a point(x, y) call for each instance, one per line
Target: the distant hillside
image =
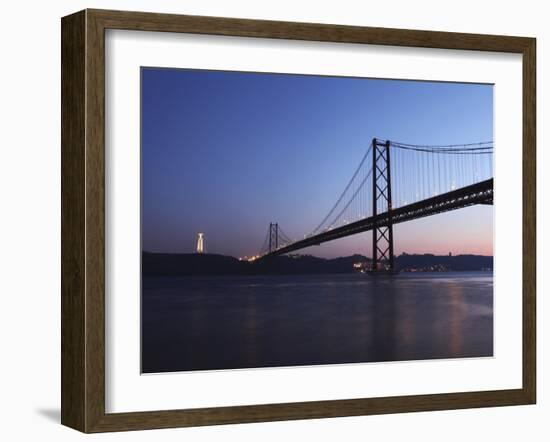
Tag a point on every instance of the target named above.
point(299, 264)
point(455, 263)
point(167, 264)
point(176, 264)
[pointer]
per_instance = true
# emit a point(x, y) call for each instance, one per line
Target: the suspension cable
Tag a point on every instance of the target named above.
point(344, 192)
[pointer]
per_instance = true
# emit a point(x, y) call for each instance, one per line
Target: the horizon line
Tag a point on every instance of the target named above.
point(320, 257)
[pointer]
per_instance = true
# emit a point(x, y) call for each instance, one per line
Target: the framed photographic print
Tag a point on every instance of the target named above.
point(270, 220)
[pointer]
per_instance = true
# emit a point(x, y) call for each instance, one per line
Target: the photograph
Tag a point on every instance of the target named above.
point(303, 220)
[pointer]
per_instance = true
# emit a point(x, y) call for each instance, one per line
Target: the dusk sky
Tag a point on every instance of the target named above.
point(226, 153)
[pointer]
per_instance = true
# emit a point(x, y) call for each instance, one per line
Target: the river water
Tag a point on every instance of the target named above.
point(205, 323)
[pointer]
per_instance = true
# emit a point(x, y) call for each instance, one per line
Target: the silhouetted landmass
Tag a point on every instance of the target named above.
point(168, 264)
point(454, 263)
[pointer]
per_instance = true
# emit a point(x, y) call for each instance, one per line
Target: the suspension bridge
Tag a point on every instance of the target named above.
point(395, 183)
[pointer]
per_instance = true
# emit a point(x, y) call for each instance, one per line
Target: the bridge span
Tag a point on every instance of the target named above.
point(395, 183)
point(479, 193)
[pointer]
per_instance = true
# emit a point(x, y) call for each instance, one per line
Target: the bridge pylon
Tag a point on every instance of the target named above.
point(273, 237)
point(382, 234)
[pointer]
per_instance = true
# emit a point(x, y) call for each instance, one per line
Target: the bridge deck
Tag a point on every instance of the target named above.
point(479, 193)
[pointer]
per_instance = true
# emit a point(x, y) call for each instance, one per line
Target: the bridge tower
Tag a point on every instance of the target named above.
point(382, 234)
point(273, 237)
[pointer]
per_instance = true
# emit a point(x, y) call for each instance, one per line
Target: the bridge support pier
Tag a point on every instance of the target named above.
point(382, 235)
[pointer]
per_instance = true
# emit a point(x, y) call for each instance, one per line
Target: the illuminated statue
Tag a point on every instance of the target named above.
point(200, 243)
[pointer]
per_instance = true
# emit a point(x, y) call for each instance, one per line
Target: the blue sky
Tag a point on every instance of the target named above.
point(226, 153)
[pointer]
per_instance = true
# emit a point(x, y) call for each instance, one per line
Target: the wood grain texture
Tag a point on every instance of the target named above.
point(145, 21)
point(529, 220)
point(83, 220)
point(95, 222)
point(73, 349)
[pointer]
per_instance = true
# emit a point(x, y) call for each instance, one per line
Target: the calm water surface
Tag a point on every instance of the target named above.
point(196, 323)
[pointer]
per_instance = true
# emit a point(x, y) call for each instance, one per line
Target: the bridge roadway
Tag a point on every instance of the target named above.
point(478, 193)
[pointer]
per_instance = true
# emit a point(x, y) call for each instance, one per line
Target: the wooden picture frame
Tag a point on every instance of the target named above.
point(83, 218)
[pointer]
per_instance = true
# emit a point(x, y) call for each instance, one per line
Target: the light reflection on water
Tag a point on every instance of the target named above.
point(199, 323)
